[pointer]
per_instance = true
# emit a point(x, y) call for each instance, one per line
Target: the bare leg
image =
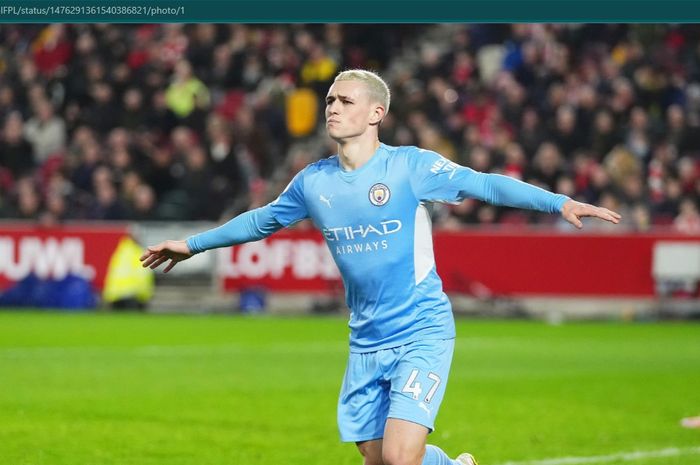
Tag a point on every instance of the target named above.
point(371, 451)
point(404, 442)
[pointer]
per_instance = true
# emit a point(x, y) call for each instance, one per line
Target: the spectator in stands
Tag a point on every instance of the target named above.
point(186, 94)
point(28, 200)
point(102, 114)
point(132, 116)
point(566, 133)
point(16, 154)
point(143, 205)
point(531, 133)
point(90, 159)
point(106, 204)
point(641, 217)
point(603, 136)
point(45, 131)
point(158, 117)
point(319, 68)
point(547, 166)
point(514, 162)
point(8, 104)
point(669, 207)
point(688, 219)
point(56, 211)
point(51, 50)
point(196, 182)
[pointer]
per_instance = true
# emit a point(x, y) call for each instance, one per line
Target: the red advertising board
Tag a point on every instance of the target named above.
point(55, 252)
point(550, 264)
point(501, 262)
point(288, 261)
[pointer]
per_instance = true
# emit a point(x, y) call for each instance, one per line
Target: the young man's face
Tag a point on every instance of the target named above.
point(349, 110)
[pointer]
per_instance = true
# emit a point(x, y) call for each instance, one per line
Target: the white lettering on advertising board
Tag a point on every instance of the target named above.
point(47, 258)
point(303, 258)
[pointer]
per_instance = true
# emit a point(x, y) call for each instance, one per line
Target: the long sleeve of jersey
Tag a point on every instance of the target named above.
point(246, 227)
point(436, 179)
point(257, 224)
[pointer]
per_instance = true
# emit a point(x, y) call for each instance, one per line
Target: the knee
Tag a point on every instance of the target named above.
point(372, 461)
point(371, 452)
point(402, 456)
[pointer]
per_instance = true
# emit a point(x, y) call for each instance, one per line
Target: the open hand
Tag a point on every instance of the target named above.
point(573, 211)
point(156, 255)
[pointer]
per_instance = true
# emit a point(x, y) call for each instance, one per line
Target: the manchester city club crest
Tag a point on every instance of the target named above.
point(379, 194)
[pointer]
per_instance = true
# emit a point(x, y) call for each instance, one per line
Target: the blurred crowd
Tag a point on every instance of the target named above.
point(201, 122)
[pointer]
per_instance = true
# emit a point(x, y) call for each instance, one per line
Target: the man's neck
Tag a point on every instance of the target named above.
point(354, 154)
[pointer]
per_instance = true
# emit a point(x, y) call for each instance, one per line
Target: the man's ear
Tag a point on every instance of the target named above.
point(377, 115)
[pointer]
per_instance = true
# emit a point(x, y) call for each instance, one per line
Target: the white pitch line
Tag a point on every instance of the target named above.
point(620, 456)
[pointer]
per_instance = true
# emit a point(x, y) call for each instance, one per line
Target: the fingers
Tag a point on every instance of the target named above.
point(154, 261)
point(157, 262)
point(150, 251)
point(149, 261)
point(586, 210)
point(149, 258)
point(573, 219)
point(607, 215)
point(170, 266)
point(156, 255)
point(615, 215)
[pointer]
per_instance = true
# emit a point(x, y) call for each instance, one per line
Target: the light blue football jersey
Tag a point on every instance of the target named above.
point(378, 230)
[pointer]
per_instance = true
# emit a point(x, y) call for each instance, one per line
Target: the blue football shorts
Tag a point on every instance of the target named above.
point(406, 382)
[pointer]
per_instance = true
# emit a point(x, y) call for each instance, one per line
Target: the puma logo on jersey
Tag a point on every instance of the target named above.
point(325, 200)
point(425, 407)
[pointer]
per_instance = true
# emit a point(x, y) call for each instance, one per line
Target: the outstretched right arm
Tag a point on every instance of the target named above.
point(253, 225)
point(249, 226)
point(246, 227)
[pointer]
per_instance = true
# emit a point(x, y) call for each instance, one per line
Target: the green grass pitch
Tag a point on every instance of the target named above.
point(78, 389)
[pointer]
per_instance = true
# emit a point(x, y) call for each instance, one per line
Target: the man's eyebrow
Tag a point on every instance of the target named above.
point(342, 97)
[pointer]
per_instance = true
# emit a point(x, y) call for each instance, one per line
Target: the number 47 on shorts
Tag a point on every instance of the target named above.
point(414, 388)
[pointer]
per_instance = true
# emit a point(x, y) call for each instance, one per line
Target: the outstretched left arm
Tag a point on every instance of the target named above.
point(436, 179)
point(502, 190)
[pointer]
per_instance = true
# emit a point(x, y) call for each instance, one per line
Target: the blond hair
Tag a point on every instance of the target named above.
point(378, 90)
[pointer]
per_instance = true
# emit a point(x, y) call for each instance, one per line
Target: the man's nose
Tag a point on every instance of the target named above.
point(333, 108)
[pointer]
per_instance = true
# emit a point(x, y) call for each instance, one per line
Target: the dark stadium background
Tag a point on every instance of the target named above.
point(199, 122)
